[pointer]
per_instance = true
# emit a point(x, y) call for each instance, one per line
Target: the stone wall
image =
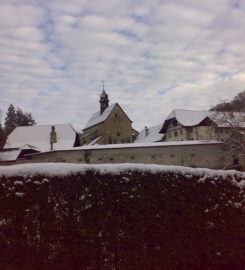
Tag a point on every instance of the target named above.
point(209, 155)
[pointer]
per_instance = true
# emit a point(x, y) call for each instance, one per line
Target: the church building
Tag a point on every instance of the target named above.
point(110, 125)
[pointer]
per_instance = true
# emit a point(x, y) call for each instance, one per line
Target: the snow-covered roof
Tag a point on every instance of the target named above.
point(38, 137)
point(153, 135)
point(189, 118)
point(10, 155)
point(100, 117)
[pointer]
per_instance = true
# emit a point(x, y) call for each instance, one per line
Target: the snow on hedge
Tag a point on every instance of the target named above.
point(63, 169)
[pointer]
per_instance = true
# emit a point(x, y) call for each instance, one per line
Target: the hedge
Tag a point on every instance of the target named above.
point(120, 218)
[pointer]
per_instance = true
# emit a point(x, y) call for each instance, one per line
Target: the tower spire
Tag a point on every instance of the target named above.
point(104, 101)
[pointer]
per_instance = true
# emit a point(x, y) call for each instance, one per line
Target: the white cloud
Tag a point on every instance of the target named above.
point(153, 55)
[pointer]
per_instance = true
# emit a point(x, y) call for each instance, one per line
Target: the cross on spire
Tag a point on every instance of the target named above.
point(103, 83)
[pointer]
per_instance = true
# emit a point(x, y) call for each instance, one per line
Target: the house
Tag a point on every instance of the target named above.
point(185, 125)
point(26, 140)
point(150, 135)
point(110, 125)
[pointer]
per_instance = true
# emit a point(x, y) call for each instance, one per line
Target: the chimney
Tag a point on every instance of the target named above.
point(53, 137)
point(146, 131)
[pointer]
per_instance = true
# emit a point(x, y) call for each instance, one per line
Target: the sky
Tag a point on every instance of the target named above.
point(154, 56)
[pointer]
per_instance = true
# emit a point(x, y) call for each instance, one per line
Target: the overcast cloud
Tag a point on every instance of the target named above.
point(154, 56)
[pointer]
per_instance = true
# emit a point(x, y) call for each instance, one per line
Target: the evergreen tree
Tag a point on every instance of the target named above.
point(2, 137)
point(16, 118)
point(23, 119)
point(10, 119)
point(19, 117)
point(28, 120)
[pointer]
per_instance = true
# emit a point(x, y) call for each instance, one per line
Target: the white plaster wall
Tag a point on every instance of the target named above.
point(205, 156)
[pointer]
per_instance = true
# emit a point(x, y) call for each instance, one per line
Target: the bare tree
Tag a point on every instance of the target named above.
point(234, 139)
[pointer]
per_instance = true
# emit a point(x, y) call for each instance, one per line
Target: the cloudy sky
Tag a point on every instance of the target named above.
point(154, 55)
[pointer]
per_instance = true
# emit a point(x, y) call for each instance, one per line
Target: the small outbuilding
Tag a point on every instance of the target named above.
point(26, 140)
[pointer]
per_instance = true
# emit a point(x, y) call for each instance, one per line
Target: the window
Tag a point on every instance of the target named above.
point(181, 132)
point(128, 140)
point(176, 133)
point(111, 158)
point(115, 141)
point(115, 115)
point(169, 134)
point(110, 140)
point(123, 141)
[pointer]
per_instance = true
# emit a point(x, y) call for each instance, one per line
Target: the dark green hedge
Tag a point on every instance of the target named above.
point(135, 220)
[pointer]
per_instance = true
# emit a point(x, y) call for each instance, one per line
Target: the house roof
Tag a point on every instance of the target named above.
point(153, 135)
point(190, 118)
point(38, 137)
point(10, 155)
point(101, 117)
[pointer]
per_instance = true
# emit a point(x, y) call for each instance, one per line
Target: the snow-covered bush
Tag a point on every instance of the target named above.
point(67, 216)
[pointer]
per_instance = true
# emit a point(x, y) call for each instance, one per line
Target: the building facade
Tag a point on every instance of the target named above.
point(110, 125)
point(186, 125)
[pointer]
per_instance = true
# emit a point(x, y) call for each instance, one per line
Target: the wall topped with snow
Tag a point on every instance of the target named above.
point(61, 169)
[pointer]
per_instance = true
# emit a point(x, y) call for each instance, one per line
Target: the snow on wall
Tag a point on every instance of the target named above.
point(138, 145)
point(62, 169)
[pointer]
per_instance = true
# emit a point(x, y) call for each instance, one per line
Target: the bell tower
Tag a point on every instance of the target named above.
point(104, 101)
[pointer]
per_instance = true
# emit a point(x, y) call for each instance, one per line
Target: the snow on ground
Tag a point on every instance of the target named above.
point(64, 169)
